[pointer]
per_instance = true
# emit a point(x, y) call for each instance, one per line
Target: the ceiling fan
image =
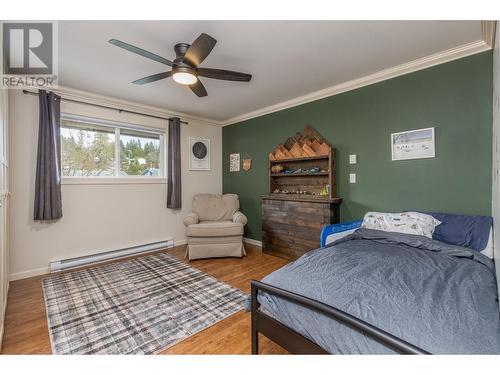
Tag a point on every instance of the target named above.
point(185, 67)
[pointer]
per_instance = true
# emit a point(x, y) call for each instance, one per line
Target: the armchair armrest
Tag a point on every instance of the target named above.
point(191, 218)
point(239, 217)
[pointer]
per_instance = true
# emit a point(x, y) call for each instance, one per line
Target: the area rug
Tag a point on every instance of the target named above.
point(138, 306)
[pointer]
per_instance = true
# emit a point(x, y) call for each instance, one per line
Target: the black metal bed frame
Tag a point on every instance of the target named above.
point(296, 343)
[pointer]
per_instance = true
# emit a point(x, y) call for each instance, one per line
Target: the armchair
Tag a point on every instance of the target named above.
point(215, 227)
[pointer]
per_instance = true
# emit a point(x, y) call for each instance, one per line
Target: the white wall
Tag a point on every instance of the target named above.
point(4, 208)
point(496, 151)
point(96, 217)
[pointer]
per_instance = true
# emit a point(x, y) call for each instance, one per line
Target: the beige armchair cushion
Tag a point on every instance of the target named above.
point(215, 229)
point(215, 207)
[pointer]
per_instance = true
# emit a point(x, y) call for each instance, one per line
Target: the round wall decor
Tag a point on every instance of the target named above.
point(199, 150)
point(199, 154)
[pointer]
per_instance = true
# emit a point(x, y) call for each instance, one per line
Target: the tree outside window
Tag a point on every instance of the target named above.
point(89, 150)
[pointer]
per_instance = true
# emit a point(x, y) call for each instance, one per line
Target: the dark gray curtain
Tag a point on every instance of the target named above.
point(174, 196)
point(48, 204)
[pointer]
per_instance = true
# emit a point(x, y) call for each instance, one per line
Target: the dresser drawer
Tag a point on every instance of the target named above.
point(290, 228)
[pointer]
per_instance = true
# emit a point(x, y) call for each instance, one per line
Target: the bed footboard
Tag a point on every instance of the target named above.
point(296, 343)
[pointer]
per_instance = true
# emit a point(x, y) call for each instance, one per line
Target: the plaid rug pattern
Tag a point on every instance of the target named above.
point(139, 306)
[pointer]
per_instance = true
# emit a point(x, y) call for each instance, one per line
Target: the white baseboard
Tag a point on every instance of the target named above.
point(252, 242)
point(180, 242)
point(29, 273)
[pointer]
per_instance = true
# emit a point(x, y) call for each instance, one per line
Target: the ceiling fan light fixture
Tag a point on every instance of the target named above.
point(184, 78)
point(186, 66)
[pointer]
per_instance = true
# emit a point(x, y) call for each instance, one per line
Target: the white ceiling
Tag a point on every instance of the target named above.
point(287, 59)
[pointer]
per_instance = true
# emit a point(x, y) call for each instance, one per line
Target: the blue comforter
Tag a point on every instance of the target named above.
point(439, 297)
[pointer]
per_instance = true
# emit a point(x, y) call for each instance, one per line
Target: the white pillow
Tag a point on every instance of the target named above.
point(404, 222)
point(488, 250)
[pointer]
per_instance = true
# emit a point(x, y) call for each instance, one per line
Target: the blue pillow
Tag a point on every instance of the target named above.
point(463, 230)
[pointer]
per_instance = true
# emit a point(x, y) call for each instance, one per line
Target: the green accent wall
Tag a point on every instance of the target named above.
point(455, 98)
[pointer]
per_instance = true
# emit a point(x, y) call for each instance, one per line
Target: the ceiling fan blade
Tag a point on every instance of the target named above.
point(199, 49)
point(198, 89)
point(226, 75)
point(152, 78)
point(140, 51)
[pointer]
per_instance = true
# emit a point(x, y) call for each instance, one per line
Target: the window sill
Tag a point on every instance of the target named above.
point(112, 180)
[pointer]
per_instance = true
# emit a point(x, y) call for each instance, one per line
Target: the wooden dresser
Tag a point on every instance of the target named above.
point(302, 195)
point(291, 226)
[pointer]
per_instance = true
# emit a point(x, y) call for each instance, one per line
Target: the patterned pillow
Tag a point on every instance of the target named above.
point(404, 222)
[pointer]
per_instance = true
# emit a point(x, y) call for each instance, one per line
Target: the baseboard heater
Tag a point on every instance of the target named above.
point(59, 265)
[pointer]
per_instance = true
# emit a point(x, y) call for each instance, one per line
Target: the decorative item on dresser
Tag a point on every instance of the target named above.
point(302, 195)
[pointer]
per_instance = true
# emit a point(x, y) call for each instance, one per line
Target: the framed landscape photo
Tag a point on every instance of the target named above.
point(199, 154)
point(413, 144)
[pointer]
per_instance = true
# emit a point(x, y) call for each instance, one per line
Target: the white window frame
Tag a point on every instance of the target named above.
point(117, 178)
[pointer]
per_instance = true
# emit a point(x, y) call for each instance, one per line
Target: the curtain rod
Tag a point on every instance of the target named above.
point(107, 107)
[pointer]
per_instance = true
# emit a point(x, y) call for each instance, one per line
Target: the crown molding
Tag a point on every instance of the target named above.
point(93, 98)
point(488, 29)
point(412, 66)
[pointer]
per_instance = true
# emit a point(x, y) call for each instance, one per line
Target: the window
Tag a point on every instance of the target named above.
point(97, 148)
point(87, 150)
point(139, 153)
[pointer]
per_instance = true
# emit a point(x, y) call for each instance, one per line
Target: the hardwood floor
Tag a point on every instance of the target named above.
point(26, 323)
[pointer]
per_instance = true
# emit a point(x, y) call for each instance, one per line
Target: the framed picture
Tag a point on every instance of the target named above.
point(234, 162)
point(199, 154)
point(413, 144)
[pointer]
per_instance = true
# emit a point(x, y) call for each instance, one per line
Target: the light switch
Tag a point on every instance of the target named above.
point(353, 159)
point(352, 178)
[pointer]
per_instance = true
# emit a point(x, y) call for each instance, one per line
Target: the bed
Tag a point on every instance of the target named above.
point(379, 292)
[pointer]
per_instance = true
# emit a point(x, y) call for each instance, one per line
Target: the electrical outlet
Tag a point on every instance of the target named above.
point(353, 159)
point(352, 178)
